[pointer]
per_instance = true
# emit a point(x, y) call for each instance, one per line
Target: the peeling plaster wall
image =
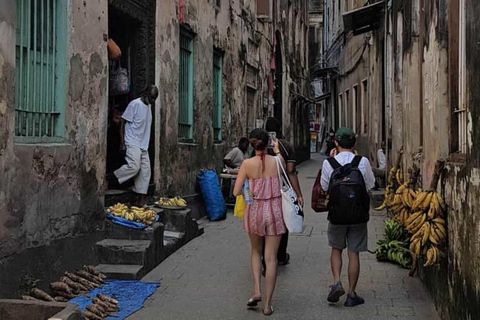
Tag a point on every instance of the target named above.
point(51, 191)
point(228, 29)
point(421, 118)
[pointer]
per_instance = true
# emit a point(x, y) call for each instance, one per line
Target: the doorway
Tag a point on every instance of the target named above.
point(131, 25)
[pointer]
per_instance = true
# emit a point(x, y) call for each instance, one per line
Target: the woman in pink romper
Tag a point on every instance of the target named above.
point(263, 218)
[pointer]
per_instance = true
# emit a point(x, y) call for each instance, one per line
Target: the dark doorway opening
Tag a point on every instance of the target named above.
point(131, 25)
point(278, 91)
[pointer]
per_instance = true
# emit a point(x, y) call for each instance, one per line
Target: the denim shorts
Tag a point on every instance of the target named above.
point(353, 235)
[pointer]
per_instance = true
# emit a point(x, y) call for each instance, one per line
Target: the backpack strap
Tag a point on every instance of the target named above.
point(356, 161)
point(334, 163)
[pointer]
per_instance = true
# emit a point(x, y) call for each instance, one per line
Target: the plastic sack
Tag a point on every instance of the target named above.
point(119, 80)
point(319, 196)
point(212, 195)
point(239, 207)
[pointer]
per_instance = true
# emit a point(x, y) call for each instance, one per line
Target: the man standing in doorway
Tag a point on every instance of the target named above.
point(135, 139)
point(288, 153)
point(348, 211)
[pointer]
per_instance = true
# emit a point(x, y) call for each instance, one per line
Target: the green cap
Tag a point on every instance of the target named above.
point(344, 133)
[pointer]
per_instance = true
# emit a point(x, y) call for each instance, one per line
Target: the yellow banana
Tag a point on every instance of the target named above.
point(413, 217)
point(412, 193)
point(441, 203)
point(382, 206)
point(429, 258)
point(435, 235)
point(418, 248)
point(431, 213)
point(401, 188)
point(433, 239)
point(439, 221)
point(419, 223)
point(426, 232)
point(417, 235)
point(441, 227)
point(419, 200)
point(426, 202)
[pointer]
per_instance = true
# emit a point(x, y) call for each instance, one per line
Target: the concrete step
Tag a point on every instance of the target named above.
point(122, 271)
point(176, 220)
point(116, 251)
point(172, 241)
point(114, 231)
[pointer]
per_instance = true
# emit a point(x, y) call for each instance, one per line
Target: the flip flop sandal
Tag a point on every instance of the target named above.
point(253, 302)
point(269, 313)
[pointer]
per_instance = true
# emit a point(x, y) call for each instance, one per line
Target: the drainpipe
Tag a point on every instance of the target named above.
point(387, 98)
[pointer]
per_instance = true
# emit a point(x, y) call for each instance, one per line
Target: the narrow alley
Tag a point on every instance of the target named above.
point(209, 278)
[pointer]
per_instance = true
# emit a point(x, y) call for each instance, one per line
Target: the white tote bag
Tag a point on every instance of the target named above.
point(292, 211)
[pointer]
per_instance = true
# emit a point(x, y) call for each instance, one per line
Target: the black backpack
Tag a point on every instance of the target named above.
point(349, 201)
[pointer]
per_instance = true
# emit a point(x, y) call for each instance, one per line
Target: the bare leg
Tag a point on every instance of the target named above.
point(271, 249)
point(353, 271)
point(256, 263)
point(336, 262)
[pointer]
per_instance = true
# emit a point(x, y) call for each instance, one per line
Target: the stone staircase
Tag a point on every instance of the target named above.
point(129, 254)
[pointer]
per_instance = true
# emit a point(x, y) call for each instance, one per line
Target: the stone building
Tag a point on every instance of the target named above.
point(422, 71)
point(347, 48)
point(221, 66)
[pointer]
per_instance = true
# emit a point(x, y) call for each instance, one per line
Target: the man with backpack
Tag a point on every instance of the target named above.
point(347, 178)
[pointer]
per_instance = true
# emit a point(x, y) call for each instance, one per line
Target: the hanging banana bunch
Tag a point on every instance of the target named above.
point(427, 224)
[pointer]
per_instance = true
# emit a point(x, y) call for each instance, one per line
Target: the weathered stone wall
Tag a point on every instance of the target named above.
point(231, 28)
point(423, 88)
point(50, 191)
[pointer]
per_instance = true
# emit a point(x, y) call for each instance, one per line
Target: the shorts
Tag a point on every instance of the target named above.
point(355, 235)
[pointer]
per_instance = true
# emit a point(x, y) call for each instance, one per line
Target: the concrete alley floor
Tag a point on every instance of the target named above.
point(209, 278)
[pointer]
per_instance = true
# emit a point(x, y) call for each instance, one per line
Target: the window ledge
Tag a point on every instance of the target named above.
point(187, 144)
point(43, 144)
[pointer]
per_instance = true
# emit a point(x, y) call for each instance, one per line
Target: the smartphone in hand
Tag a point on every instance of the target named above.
point(273, 137)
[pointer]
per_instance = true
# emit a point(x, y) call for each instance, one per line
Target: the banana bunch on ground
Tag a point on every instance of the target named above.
point(145, 216)
point(394, 251)
point(395, 231)
point(118, 210)
point(394, 247)
point(172, 202)
point(427, 225)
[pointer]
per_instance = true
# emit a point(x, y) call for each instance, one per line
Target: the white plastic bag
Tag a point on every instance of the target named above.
point(292, 211)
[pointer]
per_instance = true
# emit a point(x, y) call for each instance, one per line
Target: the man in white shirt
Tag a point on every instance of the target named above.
point(355, 235)
point(379, 172)
point(135, 138)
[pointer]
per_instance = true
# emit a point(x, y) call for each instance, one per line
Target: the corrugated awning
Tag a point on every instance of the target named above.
point(365, 19)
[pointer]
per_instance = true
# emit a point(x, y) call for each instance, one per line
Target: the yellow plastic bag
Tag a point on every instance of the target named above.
point(239, 207)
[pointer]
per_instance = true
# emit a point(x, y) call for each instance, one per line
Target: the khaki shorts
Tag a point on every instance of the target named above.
point(353, 235)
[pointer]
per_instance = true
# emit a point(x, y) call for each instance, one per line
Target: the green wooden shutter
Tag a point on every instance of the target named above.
point(40, 70)
point(185, 108)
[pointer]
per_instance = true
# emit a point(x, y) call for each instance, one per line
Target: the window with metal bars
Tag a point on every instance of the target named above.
point(217, 95)
point(40, 70)
point(185, 108)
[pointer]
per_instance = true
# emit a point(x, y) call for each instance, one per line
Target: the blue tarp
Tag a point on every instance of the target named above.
point(130, 296)
point(128, 223)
